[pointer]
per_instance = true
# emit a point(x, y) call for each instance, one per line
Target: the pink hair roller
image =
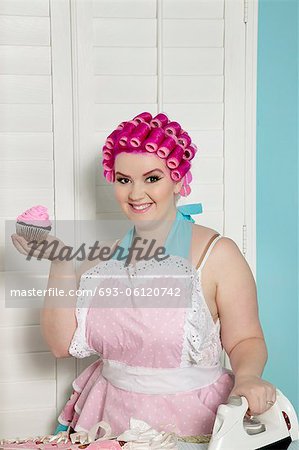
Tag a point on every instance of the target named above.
point(185, 190)
point(178, 173)
point(110, 141)
point(173, 128)
point(108, 164)
point(126, 133)
point(143, 117)
point(121, 126)
point(188, 177)
point(166, 147)
point(109, 175)
point(140, 133)
point(154, 139)
point(129, 126)
point(175, 157)
point(107, 153)
point(159, 121)
point(123, 139)
point(189, 152)
point(184, 140)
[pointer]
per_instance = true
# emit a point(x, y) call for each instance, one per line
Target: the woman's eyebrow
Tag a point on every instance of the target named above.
point(153, 170)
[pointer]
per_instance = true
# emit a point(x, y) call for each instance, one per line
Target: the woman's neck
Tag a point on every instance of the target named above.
point(156, 230)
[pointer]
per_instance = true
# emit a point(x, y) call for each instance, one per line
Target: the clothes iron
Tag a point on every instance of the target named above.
point(274, 429)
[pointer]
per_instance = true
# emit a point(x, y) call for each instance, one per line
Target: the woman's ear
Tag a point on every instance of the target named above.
point(177, 197)
point(178, 186)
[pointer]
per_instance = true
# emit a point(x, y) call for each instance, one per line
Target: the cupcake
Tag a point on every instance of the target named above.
point(34, 224)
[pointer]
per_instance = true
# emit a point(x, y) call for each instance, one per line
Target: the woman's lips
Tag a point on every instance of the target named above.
point(140, 211)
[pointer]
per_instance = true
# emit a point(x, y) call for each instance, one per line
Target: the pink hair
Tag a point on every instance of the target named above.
point(156, 135)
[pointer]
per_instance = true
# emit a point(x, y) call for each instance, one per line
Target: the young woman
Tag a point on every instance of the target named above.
point(158, 361)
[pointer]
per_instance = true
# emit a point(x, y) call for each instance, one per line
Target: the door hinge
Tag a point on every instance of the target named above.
point(245, 12)
point(244, 240)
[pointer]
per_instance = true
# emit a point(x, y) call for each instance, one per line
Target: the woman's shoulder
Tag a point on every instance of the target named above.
point(203, 237)
point(201, 234)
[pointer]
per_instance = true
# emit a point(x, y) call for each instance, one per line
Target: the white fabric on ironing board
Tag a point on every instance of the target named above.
point(187, 446)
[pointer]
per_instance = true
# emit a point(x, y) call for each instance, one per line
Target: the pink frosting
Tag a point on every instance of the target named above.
point(37, 215)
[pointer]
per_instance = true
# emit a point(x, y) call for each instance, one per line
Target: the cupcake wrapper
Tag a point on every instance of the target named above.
point(31, 233)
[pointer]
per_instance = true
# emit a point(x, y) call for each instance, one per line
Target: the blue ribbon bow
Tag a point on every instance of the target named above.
point(185, 211)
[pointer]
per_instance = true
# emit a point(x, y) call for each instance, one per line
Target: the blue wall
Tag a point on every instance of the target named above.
point(277, 191)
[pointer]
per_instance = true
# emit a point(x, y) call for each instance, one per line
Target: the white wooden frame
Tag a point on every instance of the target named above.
point(234, 119)
point(64, 171)
point(241, 19)
point(83, 98)
point(250, 130)
point(62, 109)
point(240, 124)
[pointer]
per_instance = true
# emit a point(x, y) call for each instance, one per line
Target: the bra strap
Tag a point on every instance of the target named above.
point(207, 251)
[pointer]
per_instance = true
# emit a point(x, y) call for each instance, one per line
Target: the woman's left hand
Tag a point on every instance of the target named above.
point(256, 391)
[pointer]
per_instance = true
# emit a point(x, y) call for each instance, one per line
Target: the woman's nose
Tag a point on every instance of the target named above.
point(136, 193)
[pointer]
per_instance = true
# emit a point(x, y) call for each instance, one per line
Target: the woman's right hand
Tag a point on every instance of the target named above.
point(23, 247)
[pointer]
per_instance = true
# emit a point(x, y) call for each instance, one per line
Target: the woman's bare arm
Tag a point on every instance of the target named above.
point(236, 297)
point(57, 317)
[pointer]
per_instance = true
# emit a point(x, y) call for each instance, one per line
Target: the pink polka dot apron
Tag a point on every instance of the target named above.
point(158, 346)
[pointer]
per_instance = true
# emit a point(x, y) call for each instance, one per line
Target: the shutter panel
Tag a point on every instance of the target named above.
point(35, 80)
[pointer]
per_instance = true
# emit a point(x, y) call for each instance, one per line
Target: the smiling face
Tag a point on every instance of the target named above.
point(144, 179)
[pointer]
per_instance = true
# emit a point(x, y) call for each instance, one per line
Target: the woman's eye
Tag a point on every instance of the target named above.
point(156, 178)
point(121, 179)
